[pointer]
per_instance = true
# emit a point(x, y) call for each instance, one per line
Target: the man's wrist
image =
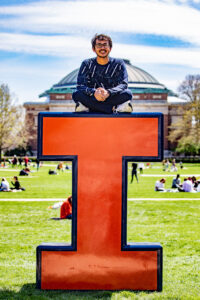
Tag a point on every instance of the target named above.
point(110, 93)
point(92, 92)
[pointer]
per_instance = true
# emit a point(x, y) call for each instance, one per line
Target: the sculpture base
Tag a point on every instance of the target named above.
point(138, 267)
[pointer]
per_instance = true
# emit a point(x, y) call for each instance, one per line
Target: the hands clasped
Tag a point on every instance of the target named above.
point(101, 94)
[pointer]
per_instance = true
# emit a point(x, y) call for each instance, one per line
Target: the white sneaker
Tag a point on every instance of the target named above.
point(125, 107)
point(81, 108)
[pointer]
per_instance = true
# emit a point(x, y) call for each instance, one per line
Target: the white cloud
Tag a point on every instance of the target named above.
point(77, 17)
point(69, 47)
point(43, 45)
point(156, 55)
point(62, 30)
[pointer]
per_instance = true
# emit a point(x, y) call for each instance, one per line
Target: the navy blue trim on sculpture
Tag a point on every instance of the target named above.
point(159, 269)
point(142, 246)
point(61, 246)
point(159, 116)
point(125, 159)
point(137, 246)
point(58, 246)
point(100, 115)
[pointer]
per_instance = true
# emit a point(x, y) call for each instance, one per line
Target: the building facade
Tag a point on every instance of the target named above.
point(148, 96)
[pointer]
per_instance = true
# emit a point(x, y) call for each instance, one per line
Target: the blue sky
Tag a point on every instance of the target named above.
point(42, 41)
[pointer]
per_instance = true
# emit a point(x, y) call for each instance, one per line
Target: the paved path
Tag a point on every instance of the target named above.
point(129, 199)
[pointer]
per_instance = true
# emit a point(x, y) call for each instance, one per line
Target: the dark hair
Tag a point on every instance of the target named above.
point(163, 180)
point(16, 177)
point(101, 37)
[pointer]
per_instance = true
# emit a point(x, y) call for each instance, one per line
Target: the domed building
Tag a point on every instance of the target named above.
point(148, 96)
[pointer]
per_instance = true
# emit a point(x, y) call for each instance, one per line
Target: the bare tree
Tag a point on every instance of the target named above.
point(11, 122)
point(186, 132)
point(190, 88)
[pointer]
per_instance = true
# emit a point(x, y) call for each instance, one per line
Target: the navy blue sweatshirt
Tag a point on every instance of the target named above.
point(112, 76)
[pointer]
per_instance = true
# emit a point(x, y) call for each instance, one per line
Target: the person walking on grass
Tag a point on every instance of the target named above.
point(134, 172)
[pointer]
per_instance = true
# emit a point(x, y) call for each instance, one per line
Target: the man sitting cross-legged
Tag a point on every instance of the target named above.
point(102, 84)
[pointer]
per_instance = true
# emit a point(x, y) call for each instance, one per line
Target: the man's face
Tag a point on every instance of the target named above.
point(102, 48)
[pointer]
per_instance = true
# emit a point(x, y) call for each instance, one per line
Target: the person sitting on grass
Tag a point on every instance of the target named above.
point(187, 186)
point(176, 182)
point(52, 172)
point(17, 185)
point(60, 167)
point(4, 186)
point(160, 185)
point(198, 187)
point(65, 208)
point(24, 172)
point(194, 182)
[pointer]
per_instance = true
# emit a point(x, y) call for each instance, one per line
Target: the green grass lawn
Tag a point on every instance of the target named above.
point(174, 224)
point(41, 185)
point(145, 187)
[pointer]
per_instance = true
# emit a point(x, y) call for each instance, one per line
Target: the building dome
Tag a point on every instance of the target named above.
point(139, 82)
point(148, 95)
point(135, 75)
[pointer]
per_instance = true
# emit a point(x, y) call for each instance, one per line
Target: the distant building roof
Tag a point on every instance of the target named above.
point(139, 81)
point(135, 74)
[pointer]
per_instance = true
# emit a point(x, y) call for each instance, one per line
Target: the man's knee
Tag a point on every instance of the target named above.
point(76, 96)
point(127, 94)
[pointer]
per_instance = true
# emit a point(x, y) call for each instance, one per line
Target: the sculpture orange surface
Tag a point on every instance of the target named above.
point(100, 147)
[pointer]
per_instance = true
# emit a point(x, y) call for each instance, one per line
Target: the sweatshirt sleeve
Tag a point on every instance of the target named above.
point(122, 83)
point(82, 80)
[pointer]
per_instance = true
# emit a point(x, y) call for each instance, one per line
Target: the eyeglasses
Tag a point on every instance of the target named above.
point(102, 46)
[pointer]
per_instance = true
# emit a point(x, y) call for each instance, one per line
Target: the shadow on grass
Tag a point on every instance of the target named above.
point(29, 291)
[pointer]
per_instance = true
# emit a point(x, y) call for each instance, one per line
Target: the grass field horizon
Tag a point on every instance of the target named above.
point(42, 185)
point(26, 224)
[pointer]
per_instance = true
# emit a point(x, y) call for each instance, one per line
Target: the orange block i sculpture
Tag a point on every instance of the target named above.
point(100, 147)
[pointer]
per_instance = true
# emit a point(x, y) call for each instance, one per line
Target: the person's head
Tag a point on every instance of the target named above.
point(3, 179)
point(101, 45)
point(162, 180)
point(177, 176)
point(15, 178)
point(194, 179)
point(70, 199)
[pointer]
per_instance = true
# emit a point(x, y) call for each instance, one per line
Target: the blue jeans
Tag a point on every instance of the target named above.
point(69, 217)
point(102, 106)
